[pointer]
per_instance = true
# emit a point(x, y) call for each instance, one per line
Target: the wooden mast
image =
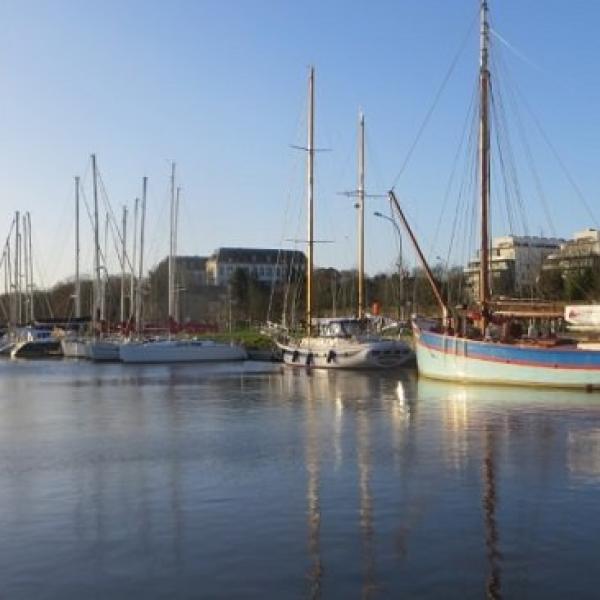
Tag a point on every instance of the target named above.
point(484, 163)
point(361, 215)
point(310, 197)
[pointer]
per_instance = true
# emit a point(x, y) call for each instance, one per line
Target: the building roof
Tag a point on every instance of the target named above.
point(526, 240)
point(190, 262)
point(258, 255)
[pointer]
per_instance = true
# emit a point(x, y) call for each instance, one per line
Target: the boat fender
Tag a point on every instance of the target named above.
point(309, 358)
point(295, 356)
point(331, 356)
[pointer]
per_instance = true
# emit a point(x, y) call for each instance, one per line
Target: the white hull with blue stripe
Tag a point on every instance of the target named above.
point(452, 358)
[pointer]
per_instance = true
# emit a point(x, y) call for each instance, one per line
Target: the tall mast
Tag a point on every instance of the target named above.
point(133, 259)
point(17, 272)
point(123, 263)
point(175, 232)
point(138, 295)
point(105, 269)
point(30, 254)
point(77, 253)
point(6, 257)
point(361, 215)
point(310, 197)
point(171, 248)
point(26, 266)
point(484, 161)
point(8, 285)
point(97, 285)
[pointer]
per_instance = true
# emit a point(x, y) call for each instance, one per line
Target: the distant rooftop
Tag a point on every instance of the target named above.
point(260, 255)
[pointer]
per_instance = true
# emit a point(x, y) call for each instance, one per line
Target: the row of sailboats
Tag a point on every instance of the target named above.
point(349, 342)
point(176, 350)
point(130, 348)
point(98, 347)
point(24, 337)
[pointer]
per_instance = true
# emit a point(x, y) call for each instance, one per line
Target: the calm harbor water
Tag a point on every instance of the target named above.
point(253, 481)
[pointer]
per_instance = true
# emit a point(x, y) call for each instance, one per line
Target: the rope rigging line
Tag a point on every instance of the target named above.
point(292, 174)
point(514, 50)
point(467, 184)
point(524, 141)
point(507, 159)
point(117, 236)
point(502, 167)
point(557, 157)
point(464, 139)
point(436, 99)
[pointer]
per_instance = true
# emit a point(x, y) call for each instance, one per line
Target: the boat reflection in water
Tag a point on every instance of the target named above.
point(280, 483)
point(350, 398)
point(528, 438)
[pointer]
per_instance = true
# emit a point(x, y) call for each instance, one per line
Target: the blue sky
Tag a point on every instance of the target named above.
point(220, 87)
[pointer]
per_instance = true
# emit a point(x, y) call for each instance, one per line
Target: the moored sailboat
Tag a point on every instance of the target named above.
point(74, 345)
point(447, 352)
point(339, 343)
point(175, 350)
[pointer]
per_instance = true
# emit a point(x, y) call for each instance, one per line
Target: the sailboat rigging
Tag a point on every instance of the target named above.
point(454, 353)
point(338, 343)
point(172, 350)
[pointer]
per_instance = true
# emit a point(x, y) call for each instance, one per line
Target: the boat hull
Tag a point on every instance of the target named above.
point(37, 349)
point(75, 348)
point(325, 354)
point(451, 358)
point(179, 352)
point(104, 351)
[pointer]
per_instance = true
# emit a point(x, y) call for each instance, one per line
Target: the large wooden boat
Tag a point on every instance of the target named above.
point(539, 362)
point(443, 353)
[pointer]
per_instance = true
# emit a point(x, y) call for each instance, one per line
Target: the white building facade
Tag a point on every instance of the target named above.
point(515, 263)
point(266, 265)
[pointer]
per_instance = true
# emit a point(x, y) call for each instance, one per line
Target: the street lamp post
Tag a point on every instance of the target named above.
point(400, 261)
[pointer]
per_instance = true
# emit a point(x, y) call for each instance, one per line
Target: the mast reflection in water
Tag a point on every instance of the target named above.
point(249, 481)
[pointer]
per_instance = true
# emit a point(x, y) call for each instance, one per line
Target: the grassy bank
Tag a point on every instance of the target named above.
point(250, 338)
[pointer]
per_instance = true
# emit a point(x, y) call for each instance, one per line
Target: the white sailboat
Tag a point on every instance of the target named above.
point(33, 340)
point(339, 343)
point(100, 349)
point(75, 346)
point(174, 350)
point(171, 351)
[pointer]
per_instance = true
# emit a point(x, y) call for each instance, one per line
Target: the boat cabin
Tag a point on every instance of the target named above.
point(344, 327)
